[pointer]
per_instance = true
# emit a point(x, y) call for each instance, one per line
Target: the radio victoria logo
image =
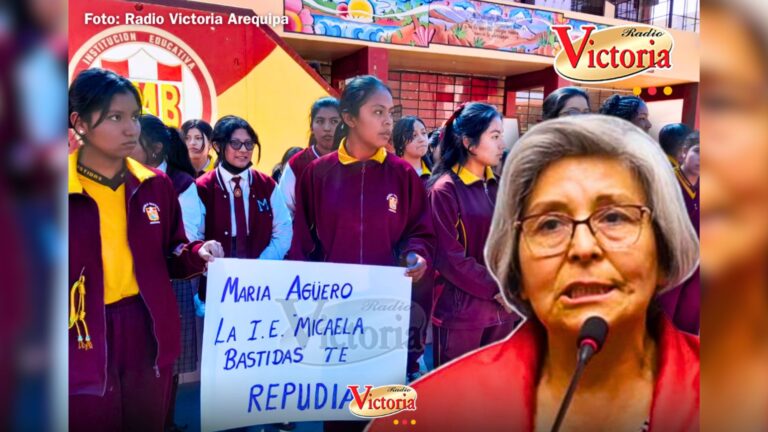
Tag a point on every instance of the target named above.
point(381, 401)
point(612, 53)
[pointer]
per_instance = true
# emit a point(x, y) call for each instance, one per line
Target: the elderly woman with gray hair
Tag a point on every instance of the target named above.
point(589, 221)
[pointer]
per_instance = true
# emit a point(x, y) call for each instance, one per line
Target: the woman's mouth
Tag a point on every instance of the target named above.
point(582, 292)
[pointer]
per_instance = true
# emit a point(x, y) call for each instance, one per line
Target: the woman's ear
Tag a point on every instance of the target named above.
point(348, 119)
point(216, 148)
point(466, 142)
point(81, 128)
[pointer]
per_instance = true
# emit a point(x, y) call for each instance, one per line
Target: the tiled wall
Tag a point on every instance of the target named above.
point(434, 97)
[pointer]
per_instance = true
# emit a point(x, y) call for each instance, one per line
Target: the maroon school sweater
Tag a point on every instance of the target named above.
point(360, 212)
point(160, 252)
point(462, 210)
point(300, 161)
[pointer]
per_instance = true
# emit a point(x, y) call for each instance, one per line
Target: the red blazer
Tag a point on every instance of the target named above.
point(494, 388)
point(218, 217)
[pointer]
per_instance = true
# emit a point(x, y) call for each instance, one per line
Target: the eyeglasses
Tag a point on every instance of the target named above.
point(237, 144)
point(573, 112)
point(614, 227)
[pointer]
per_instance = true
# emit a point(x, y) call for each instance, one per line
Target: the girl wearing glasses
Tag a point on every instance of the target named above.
point(590, 222)
point(565, 101)
point(197, 135)
point(468, 312)
point(124, 326)
point(243, 209)
point(324, 118)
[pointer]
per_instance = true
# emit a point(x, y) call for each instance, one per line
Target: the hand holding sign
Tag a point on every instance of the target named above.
point(416, 266)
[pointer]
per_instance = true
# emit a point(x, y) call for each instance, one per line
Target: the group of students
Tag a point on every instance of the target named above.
point(366, 190)
point(681, 144)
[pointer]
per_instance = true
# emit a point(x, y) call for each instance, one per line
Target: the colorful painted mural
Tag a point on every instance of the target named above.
point(495, 26)
point(465, 23)
point(401, 22)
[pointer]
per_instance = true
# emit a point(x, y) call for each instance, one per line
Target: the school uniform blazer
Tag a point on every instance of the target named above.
point(270, 231)
point(369, 212)
point(160, 252)
point(293, 171)
point(494, 388)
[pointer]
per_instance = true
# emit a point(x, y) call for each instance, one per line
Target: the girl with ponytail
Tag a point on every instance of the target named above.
point(630, 108)
point(124, 216)
point(469, 311)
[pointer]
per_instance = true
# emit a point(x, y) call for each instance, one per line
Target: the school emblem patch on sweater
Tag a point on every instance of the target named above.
point(153, 213)
point(392, 201)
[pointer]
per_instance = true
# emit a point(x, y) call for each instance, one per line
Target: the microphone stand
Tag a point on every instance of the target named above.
point(587, 349)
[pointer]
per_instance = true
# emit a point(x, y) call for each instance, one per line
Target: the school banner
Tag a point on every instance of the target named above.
point(283, 340)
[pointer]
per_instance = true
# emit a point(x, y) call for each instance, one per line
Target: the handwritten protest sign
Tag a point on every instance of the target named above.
point(284, 339)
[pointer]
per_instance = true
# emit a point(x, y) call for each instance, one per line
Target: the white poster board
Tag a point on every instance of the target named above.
point(284, 339)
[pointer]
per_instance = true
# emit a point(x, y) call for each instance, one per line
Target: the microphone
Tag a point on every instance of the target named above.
point(591, 339)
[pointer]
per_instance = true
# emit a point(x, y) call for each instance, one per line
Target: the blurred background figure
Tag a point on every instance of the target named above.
point(630, 108)
point(197, 135)
point(565, 101)
point(734, 215)
point(278, 169)
point(33, 52)
point(671, 138)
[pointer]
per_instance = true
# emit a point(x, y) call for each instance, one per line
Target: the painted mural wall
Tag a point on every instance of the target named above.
point(419, 23)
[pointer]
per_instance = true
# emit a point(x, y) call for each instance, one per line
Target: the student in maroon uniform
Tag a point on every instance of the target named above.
point(324, 118)
point(243, 209)
point(409, 138)
point(469, 311)
point(197, 135)
point(630, 108)
point(122, 215)
point(161, 147)
point(376, 215)
point(361, 205)
point(671, 139)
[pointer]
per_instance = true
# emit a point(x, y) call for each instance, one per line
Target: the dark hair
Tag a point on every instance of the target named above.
point(625, 107)
point(175, 152)
point(403, 132)
point(434, 140)
point(691, 140)
point(203, 126)
point(323, 102)
point(92, 92)
point(556, 100)
point(225, 127)
point(469, 121)
point(277, 170)
point(671, 137)
point(355, 94)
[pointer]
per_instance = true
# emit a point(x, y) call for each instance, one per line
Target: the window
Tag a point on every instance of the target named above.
point(677, 14)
